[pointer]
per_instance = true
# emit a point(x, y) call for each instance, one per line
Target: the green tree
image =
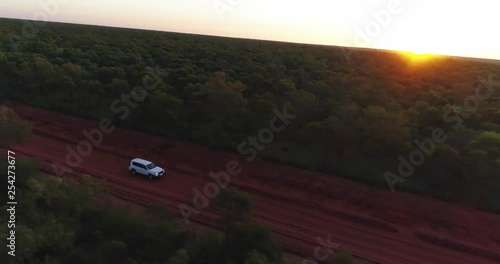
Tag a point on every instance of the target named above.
point(488, 142)
point(250, 238)
point(257, 258)
point(13, 130)
point(114, 251)
point(180, 257)
point(159, 212)
point(235, 207)
point(283, 87)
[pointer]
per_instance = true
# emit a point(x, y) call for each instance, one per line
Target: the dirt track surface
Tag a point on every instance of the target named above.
point(299, 206)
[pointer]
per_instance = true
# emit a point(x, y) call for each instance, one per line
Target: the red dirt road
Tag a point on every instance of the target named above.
point(299, 206)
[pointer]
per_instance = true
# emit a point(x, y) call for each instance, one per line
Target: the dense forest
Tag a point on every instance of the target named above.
point(359, 118)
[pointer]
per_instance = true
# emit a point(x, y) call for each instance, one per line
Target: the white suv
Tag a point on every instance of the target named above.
point(145, 167)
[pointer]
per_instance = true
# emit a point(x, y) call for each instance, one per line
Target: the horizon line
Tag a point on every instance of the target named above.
point(492, 60)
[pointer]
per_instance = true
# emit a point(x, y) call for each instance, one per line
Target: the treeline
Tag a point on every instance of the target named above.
point(354, 117)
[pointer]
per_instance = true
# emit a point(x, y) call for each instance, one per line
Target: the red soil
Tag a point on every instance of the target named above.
point(298, 205)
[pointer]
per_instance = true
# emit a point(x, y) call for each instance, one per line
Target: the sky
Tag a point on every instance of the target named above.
point(462, 28)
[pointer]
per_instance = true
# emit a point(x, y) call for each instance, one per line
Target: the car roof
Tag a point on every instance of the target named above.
point(143, 161)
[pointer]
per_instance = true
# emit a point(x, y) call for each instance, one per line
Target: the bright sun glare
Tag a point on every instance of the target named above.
point(418, 52)
point(418, 57)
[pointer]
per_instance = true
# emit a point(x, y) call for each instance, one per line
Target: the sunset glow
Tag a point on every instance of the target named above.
point(419, 58)
point(425, 26)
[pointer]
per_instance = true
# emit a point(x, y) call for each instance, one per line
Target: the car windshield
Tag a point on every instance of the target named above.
point(150, 165)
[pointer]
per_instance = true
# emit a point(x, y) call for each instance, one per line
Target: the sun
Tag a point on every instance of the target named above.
point(418, 52)
point(417, 56)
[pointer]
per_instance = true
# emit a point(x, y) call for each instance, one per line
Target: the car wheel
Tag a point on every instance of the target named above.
point(133, 171)
point(150, 176)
